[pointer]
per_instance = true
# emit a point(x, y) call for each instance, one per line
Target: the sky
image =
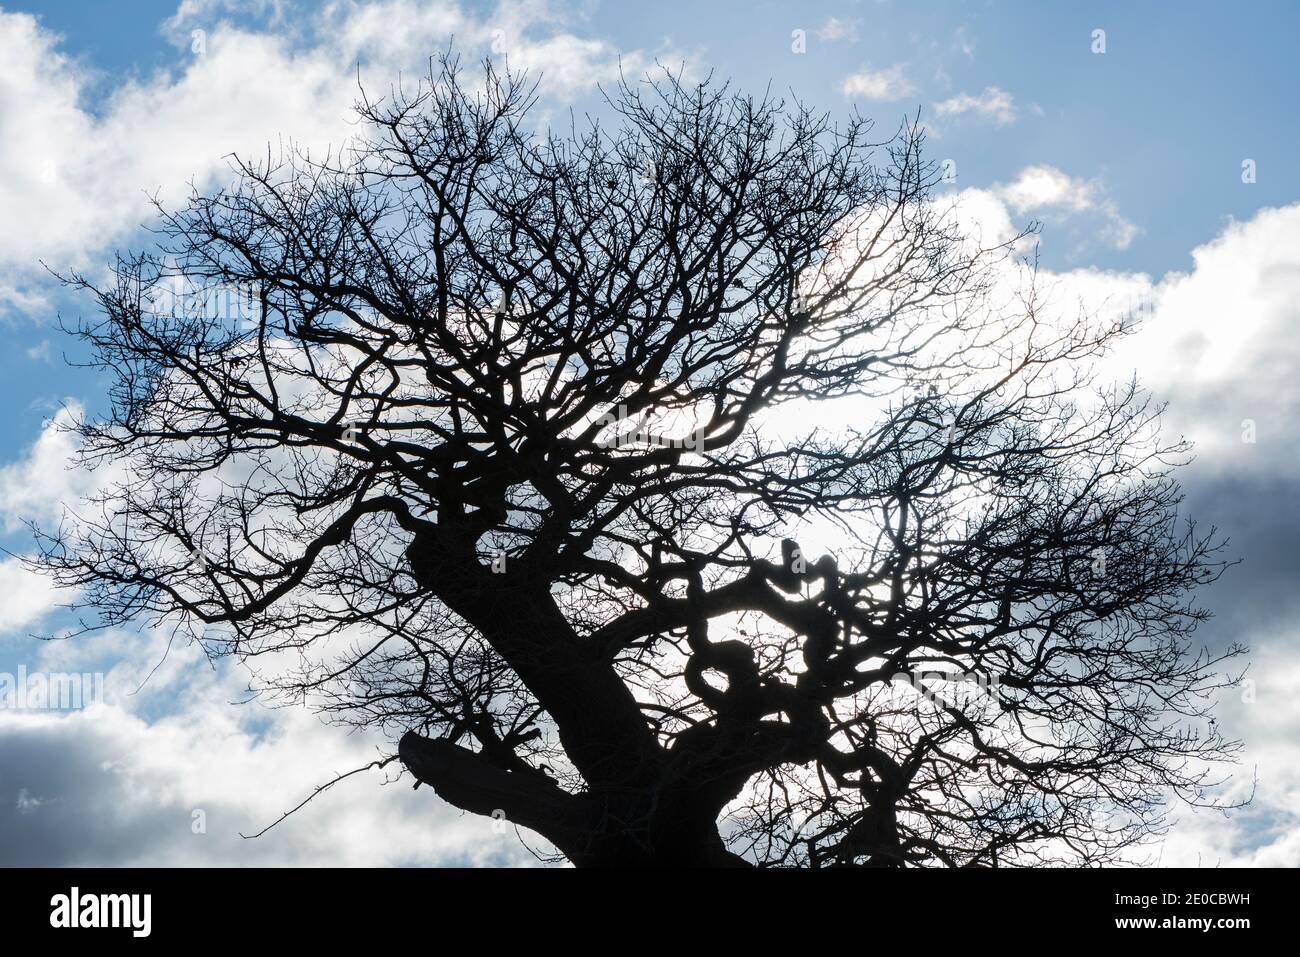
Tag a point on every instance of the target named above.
point(1155, 143)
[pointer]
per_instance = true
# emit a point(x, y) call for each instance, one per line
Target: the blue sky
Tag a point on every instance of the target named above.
point(1131, 158)
point(1161, 121)
point(1182, 94)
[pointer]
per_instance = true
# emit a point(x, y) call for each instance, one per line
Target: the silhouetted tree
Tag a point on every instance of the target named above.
point(511, 455)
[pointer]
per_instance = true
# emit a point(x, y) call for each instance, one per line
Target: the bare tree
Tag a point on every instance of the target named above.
point(509, 458)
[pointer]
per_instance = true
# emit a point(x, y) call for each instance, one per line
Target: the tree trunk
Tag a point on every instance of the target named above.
point(636, 812)
point(590, 830)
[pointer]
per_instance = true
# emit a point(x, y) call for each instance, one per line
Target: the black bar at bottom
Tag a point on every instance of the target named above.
point(330, 907)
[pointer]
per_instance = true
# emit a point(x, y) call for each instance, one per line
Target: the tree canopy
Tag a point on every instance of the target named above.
point(513, 454)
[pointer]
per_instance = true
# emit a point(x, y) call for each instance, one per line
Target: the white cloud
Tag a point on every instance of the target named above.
point(1039, 186)
point(119, 782)
point(1266, 832)
point(80, 183)
point(1046, 187)
point(30, 302)
point(835, 29)
point(1220, 343)
point(38, 486)
point(962, 41)
point(27, 803)
point(887, 84)
point(191, 12)
point(115, 789)
point(25, 597)
point(994, 104)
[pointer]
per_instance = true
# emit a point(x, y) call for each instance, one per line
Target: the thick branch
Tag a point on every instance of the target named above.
point(474, 784)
